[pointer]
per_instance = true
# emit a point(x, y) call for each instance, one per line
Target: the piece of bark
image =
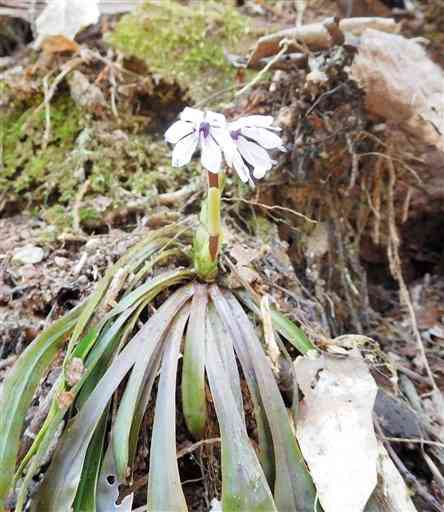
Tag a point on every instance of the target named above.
point(317, 36)
point(354, 8)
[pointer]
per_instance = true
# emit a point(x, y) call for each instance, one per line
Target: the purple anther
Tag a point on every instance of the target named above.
point(235, 134)
point(204, 128)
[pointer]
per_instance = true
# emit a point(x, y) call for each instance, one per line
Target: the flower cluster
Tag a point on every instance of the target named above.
point(244, 143)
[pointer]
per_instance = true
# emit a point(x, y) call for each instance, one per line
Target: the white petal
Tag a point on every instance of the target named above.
point(259, 121)
point(255, 155)
point(211, 157)
point(259, 173)
point(241, 168)
point(178, 131)
point(265, 138)
point(184, 149)
point(193, 115)
point(215, 119)
point(223, 138)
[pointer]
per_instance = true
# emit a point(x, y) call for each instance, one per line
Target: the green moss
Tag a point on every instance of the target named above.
point(120, 169)
point(30, 169)
point(185, 44)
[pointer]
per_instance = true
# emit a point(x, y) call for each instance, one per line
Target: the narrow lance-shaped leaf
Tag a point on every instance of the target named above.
point(154, 332)
point(194, 402)
point(60, 485)
point(164, 487)
point(85, 500)
point(244, 486)
point(265, 448)
point(294, 488)
point(291, 332)
point(130, 260)
point(19, 388)
point(225, 343)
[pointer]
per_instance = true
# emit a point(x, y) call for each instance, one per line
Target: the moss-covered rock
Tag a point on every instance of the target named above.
point(119, 167)
point(184, 44)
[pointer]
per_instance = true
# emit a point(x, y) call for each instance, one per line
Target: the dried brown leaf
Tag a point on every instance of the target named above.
point(335, 429)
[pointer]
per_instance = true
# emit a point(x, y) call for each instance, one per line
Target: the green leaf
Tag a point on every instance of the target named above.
point(162, 281)
point(85, 500)
point(129, 262)
point(244, 486)
point(60, 485)
point(164, 487)
point(153, 334)
point(194, 402)
point(294, 489)
point(228, 357)
point(288, 329)
point(265, 448)
point(291, 332)
point(19, 388)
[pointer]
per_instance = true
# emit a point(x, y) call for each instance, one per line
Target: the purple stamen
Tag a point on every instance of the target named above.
point(204, 128)
point(235, 134)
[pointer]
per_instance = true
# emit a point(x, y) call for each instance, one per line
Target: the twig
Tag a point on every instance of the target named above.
point(419, 489)
point(258, 77)
point(77, 204)
point(413, 375)
point(266, 207)
point(413, 440)
point(181, 453)
point(194, 446)
point(49, 93)
point(396, 270)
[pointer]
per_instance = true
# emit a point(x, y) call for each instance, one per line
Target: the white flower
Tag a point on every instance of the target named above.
point(244, 143)
point(253, 136)
point(207, 130)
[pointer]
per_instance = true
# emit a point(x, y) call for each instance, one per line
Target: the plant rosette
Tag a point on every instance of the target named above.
point(95, 429)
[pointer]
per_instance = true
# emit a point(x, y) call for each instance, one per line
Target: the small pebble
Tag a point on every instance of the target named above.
point(61, 262)
point(30, 254)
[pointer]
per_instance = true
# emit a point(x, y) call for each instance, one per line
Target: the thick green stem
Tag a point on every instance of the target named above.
point(207, 241)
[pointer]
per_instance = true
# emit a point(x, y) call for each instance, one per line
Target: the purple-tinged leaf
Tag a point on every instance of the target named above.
point(265, 448)
point(244, 485)
point(164, 486)
point(293, 490)
point(153, 333)
point(60, 485)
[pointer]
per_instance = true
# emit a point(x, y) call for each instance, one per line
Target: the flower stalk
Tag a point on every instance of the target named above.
point(243, 144)
point(214, 215)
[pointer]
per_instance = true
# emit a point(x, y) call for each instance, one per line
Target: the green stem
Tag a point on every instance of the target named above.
point(207, 240)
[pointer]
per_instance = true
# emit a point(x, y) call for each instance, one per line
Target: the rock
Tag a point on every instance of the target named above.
point(61, 262)
point(30, 254)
